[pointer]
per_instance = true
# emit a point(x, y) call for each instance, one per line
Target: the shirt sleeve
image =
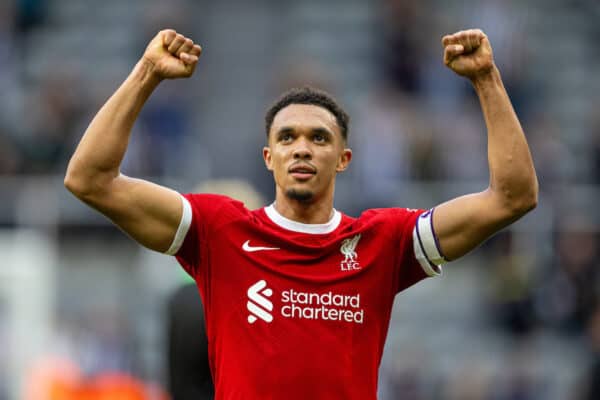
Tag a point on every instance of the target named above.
point(419, 254)
point(200, 217)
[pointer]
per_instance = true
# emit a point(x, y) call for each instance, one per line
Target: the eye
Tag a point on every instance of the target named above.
point(285, 137)
point(319, 138)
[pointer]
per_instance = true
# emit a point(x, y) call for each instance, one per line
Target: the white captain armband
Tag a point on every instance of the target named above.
point(184, 227)
point(427, 249)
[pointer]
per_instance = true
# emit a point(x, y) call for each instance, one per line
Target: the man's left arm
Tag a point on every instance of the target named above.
point(463, 223)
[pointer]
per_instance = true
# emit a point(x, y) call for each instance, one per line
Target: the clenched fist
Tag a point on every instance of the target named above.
point(172, 55)
point(468, 53)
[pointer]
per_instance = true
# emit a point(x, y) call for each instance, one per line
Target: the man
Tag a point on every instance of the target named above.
point(297, 295)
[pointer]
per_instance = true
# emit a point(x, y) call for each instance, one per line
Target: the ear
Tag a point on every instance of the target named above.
point(344, 160)
point(267, 157)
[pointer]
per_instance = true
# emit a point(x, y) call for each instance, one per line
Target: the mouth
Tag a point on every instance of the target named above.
point(302, 172)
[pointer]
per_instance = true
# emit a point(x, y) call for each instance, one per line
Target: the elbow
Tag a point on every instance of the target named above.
point(527, 204)
point(81, 185)
point(87, 182)
point(526, 201)
point(514, 201)
point(70, 180)
point(75, 184)
point(531, 198)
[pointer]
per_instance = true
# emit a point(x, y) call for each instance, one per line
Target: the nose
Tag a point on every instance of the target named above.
point(302, 151)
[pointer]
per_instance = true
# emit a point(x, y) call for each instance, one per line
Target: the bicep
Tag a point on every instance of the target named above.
point(149, 213)
point(465, 222)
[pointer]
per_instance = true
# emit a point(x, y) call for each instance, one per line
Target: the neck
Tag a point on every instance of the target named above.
point(316, 212)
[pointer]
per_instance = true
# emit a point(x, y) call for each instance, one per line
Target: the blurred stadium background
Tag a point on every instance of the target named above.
point(518, 319)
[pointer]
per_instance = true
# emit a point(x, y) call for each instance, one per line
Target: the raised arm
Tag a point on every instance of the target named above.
point(147, 212)
point(463, 223)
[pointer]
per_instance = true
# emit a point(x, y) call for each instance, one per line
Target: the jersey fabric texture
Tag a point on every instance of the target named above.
point(297, 311)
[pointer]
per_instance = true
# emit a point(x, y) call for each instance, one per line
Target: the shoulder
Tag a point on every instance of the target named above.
point(208, 199)
point(391, 221)
point(390, 214)
point(215, 206)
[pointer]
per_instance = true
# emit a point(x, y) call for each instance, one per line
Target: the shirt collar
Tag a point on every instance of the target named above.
point(295, 226)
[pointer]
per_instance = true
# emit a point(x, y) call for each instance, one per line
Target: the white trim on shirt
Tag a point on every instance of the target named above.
point(295, 226)
point(184, 227)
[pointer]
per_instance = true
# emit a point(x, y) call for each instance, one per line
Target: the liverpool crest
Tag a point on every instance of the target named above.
point(348, 249)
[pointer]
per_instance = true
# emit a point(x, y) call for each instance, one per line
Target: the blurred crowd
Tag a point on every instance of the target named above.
point(414, 125)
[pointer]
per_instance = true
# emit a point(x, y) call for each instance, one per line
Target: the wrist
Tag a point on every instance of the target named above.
point(486, 78)
point(146, 75)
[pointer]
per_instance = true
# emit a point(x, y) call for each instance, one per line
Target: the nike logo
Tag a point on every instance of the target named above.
point(246, 246)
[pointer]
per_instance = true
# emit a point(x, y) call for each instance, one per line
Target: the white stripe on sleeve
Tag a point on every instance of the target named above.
point(425, 245)
point(184, 227)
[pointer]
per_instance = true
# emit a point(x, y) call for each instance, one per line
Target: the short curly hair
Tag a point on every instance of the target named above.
point(313, 96)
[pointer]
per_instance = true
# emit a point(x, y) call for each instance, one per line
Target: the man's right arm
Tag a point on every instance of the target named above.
point(147, 212)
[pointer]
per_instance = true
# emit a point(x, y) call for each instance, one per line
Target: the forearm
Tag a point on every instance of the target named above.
point(99, 154)
point(463, 223)
point(512, 174)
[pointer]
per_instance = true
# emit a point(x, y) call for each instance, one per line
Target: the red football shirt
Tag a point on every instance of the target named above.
point(297, 311)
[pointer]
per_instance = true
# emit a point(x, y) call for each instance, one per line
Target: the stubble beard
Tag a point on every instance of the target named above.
point(303, 196)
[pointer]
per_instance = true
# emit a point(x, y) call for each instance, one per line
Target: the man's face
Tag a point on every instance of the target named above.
point(306, 150)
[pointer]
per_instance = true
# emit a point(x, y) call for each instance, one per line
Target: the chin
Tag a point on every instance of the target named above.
point(301, 195)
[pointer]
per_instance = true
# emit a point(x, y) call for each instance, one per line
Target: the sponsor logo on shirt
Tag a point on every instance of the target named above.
point(246, 247)
point(348, 249)
point(328, 306)
point(257, 296)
